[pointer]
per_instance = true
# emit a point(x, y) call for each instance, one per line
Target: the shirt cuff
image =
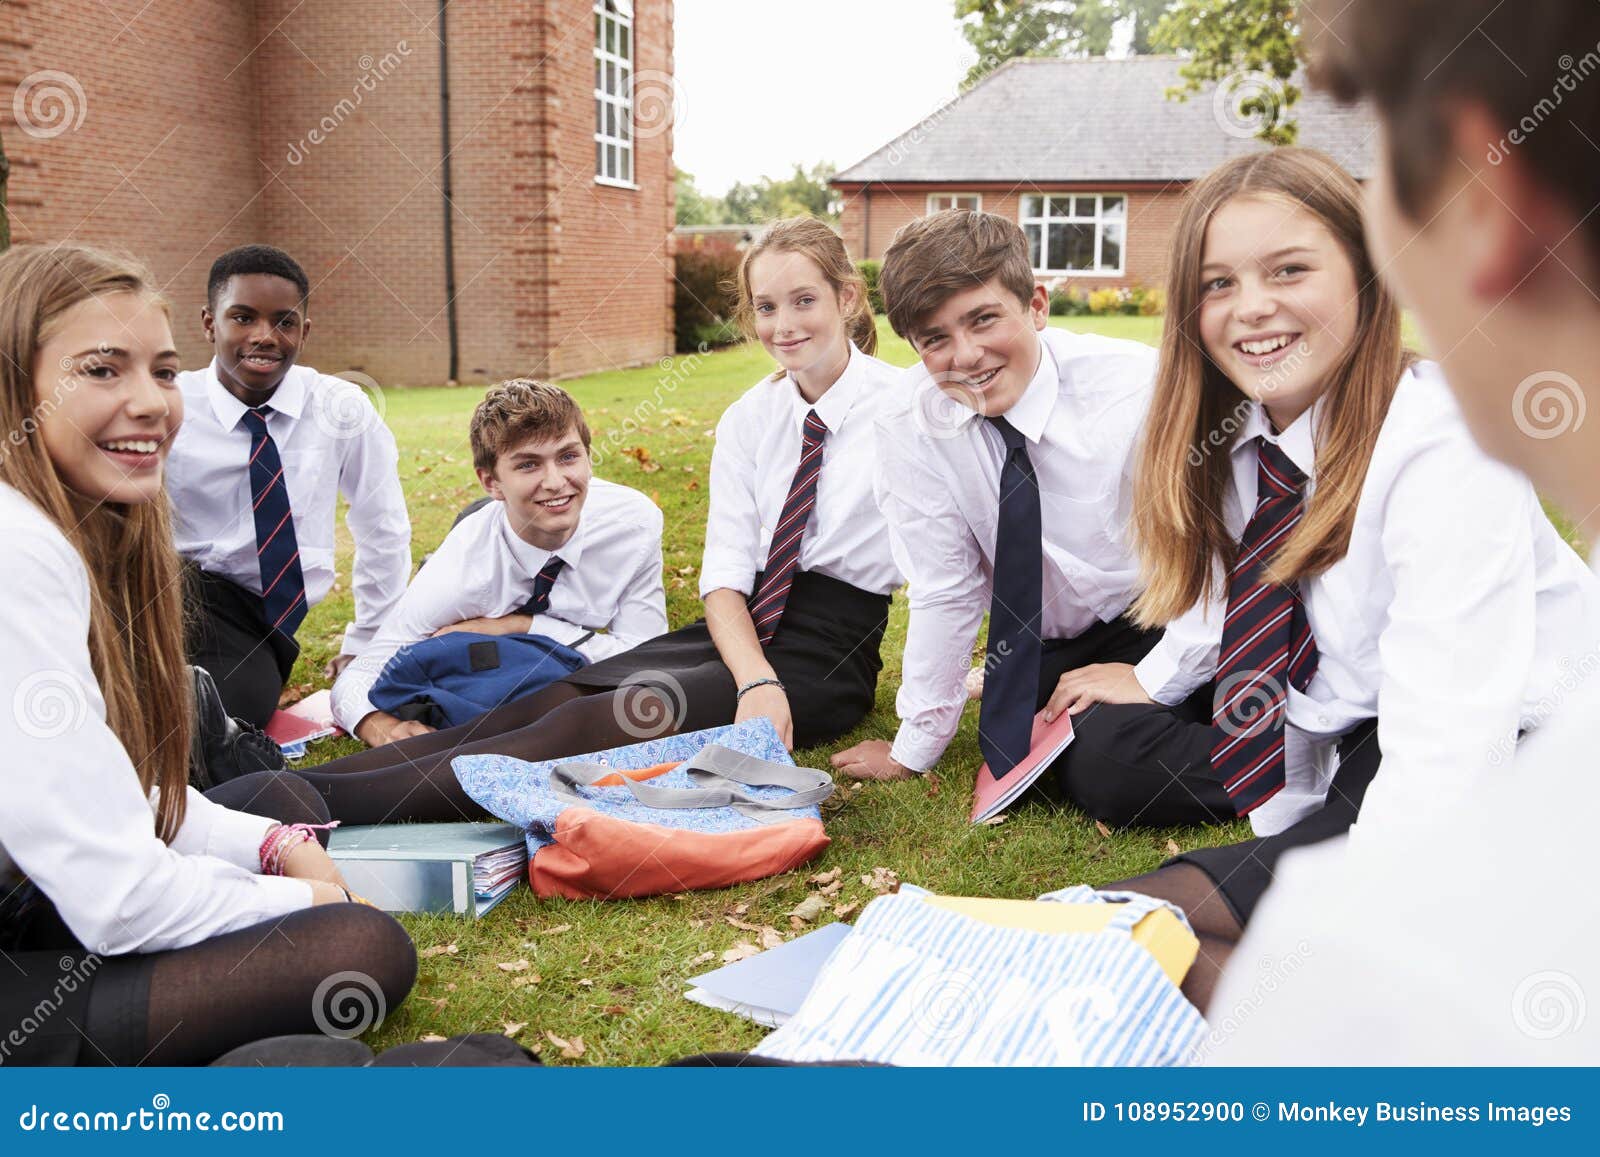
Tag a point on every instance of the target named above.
point(1157, 673)
point(733, 578)
point(917, 749)
point(356, 639)
point(283, 894)
point(236, 837)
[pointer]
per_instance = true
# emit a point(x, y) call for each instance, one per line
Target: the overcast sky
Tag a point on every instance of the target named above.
point(764, 84)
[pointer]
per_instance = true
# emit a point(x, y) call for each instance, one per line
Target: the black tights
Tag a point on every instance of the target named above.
point(336, 969)
point(412, 781)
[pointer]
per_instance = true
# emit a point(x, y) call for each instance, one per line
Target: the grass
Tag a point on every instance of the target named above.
point(612, 973)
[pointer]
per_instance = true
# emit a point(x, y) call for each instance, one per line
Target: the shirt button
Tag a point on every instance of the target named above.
point(1324, 720)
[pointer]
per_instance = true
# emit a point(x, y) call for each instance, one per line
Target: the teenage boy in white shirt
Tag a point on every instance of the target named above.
point(555, 552)
point(255, 475)
point(1473, 940)
point(1004, 471)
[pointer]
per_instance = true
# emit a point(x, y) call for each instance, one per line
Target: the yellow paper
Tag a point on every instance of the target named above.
point(1158, 932)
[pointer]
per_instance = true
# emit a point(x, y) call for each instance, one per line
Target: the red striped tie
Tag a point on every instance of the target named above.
point(783, 556)
point(1267, 645)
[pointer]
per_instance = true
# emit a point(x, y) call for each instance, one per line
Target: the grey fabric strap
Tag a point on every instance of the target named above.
point(719, 773)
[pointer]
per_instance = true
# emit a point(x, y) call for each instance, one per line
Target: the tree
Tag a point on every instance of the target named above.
point(1249, 46)
point(805, 192)
point(1252, 45)
point(694, 207)
point(1002, 30)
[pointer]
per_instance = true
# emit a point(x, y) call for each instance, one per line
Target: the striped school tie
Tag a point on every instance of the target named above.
point(783, 556)
point(542, 582)
point(1267, 645)
point(283, 586)
point(1011, 658)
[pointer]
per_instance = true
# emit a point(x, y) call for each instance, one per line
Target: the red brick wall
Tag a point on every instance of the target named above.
point(163, 163)
point(1151, 216)
point(241, 104)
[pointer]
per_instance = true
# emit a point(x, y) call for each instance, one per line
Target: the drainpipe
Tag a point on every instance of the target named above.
point(444, 186)
point(866, 221)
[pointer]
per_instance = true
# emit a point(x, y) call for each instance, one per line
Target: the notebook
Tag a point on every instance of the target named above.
point(295, 728)
point(991, 796)
point(464, 868)
point(769, 987)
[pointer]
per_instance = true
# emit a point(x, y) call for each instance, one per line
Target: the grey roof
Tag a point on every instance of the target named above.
point(1094, 119)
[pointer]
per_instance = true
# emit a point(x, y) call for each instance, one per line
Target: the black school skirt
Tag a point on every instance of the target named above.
point(825, 652)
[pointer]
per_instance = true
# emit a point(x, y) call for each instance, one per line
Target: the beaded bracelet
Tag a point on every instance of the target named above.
point(753, 684)
point(284, 838)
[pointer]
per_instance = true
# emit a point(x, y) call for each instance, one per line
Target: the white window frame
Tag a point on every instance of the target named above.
point(1099, 220)
point(977, 197)
point(614, 14)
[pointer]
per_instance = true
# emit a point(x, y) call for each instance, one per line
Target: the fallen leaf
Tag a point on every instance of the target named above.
point(933, 786)
point(615, 1010)
point(441, 950)
point(822, 879)
point(741, 909)
point(431, 1037)
point(512, 965)
point(881, 880)
point(771, 938)
point(531, 978)
point(1172, 848)
point(857, 786)
point(570, 1049)
point(586, 984)
point(832, 889)
point(557, 930)
point(996, 821)
point(1099, 826)
point(702, 958)
point(845, 911)
point(796, 923)
point(440, 1003)
point(740, 951)
point(742, 925)
point(809, 908)
point(513, 1027)
point(450, 987)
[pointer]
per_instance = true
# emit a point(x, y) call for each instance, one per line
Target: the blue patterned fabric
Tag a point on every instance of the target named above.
point(913, 984)
point(518, 792)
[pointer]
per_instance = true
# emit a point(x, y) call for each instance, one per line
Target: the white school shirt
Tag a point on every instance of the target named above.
point(938, 483)
point(611, 582)
point(758, 448)
point(332, 442)
point(1454, 608)
point(75, 820)
point(1470, 938)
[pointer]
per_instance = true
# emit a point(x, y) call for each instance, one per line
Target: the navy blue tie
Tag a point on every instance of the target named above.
point(1011, 678)
point(283, 586)
point(542, 582)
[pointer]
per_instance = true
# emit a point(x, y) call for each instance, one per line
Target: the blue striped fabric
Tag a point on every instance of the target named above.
point(918, 985)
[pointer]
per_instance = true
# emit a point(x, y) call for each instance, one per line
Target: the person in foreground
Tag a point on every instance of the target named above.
point(1470, 938)
point(142, 921)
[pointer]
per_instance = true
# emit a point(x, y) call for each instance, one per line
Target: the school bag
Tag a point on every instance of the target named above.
point(454, 678)
point(704, 809)
point(915, 983)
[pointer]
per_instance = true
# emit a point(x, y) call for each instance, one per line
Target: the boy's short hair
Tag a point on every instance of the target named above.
point(518, 411)
point(1532, 67)
point(250, 259)
point(937, 256)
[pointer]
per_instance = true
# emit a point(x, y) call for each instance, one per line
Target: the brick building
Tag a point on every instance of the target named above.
point(1088, 155)
point(334, 129)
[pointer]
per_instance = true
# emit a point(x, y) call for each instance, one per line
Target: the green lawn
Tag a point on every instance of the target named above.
point(612, 973)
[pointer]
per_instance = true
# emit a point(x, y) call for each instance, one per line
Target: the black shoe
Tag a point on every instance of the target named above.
point(224, 747)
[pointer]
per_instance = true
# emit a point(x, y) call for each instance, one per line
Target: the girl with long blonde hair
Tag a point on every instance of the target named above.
point(1320, 538)
point(142, 921)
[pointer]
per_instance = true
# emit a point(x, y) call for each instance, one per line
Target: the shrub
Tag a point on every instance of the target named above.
point(1154, 303)
point(1068, 301)
point(1104, 301)
point(704, 304)
point(870, 272)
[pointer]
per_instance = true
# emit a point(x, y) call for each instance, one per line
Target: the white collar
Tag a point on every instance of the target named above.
point(532, 558)
point(836, 401)
point(1298, 442)
point(288, 399)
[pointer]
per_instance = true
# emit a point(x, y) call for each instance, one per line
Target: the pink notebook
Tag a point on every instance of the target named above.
point(991, 796)
point(306, 721)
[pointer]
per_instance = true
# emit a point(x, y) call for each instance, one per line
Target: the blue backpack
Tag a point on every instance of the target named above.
point(447, 681)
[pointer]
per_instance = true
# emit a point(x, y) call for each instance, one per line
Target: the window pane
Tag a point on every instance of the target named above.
point(1060, 206)
point(1057, 255)
point(627, 164)
point(611, 160)
point(624, 119)
point(599, 116)
point(1080, 246)
point(1033, 207)
point(969, 203)
point(1111, 245)
point(599, 75)
point(599, 159)
point(1083, 206)
point(1032, 232)
point(1111, 206)
point(599, 26)
point(624, 48)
